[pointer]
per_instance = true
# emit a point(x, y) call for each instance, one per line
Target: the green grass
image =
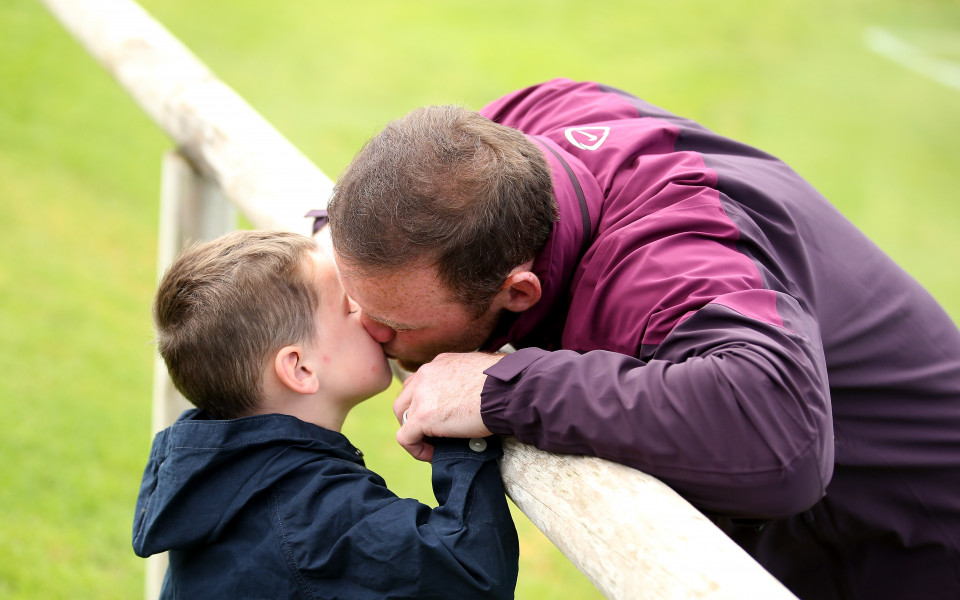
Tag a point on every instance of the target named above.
point(79, 183)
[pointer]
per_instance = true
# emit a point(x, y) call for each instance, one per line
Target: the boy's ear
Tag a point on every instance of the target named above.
point(295, 371)
point(522, 289)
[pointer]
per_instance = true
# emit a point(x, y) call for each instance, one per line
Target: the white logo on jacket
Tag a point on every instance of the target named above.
point(587, 138)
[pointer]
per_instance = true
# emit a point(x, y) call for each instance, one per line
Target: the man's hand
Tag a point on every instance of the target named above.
point(442, 399)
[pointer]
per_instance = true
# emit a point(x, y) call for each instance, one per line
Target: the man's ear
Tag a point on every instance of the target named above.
point(522, 288)
point(295, 371)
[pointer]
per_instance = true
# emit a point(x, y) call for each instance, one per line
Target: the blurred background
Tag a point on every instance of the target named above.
point(862, 98)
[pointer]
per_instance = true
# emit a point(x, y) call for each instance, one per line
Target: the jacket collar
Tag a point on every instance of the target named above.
point(557, 263)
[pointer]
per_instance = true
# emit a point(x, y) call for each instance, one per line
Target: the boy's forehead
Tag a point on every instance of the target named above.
point(323, 268)
point(322, 259)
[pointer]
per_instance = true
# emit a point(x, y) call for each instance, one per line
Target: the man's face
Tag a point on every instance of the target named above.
point(412, 314)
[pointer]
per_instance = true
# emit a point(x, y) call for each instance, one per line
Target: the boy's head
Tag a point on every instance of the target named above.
point(247, 315)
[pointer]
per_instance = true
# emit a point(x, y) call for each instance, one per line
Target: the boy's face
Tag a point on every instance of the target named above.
point(354, 366)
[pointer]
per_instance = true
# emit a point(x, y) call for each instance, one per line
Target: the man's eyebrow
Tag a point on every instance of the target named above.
point(391, 324)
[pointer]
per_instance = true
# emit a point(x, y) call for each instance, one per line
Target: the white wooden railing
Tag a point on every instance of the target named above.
point(630, 534)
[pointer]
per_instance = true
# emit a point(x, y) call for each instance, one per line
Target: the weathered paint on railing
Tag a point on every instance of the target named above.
point(628, 532)
point(260, 171)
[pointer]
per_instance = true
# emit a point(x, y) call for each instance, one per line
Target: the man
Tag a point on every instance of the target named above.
point(683, 304)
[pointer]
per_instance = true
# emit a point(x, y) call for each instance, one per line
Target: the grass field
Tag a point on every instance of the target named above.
point(79, 183)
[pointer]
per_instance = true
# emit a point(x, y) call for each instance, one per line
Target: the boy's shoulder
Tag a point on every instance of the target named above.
point(221, 469)
point(195, 428)
point(278, 449)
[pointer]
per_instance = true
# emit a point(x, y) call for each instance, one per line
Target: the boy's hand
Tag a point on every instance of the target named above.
point(442, 399)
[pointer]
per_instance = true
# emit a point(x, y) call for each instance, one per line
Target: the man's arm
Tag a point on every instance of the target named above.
point(733, 413)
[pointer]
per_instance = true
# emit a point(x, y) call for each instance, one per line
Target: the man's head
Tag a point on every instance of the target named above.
point(449, 203)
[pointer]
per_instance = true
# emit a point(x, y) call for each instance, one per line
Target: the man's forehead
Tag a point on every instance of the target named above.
point(403, 297)
point(413, 278)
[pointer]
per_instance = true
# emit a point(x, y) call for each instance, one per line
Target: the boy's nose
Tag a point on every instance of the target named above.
point(377, 331)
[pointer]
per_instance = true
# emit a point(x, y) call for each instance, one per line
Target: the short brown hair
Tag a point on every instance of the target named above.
point(447, 187)
point(224, 307)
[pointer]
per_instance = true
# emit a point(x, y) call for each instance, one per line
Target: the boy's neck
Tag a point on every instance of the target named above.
point(332, 420)
point(329, 413)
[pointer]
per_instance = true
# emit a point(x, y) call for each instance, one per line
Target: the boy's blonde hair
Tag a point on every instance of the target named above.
point(225, 307)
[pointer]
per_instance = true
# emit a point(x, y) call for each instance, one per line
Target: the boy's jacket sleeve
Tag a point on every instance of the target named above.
point(377, 545)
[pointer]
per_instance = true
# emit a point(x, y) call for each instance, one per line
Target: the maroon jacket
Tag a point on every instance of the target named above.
point(709, 318)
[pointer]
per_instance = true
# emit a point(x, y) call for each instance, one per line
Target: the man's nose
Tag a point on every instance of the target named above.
point(377, 331)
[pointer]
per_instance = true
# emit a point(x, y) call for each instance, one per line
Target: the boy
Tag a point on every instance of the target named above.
point(255, 493)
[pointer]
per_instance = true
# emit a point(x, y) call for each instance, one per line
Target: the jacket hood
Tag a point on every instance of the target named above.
point(202, 472)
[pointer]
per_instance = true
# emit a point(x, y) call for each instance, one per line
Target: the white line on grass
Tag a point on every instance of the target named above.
point(916, 59)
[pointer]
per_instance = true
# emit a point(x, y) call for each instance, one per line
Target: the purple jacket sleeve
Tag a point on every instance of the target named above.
point(731, 412)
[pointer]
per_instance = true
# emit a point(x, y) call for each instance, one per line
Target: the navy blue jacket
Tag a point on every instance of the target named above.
point(273, 507)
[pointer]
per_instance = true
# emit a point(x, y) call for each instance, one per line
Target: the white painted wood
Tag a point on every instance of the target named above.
point(192, 209)
point(627, 532)
point(269, 180)
point(630, 534)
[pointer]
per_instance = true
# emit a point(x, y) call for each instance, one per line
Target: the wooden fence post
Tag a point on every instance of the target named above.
point(192, 209)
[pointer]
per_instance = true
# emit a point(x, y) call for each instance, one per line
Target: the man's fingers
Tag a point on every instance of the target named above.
point(411, 440)
point(409, 436)
point(402, 403)
point(400, 413)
